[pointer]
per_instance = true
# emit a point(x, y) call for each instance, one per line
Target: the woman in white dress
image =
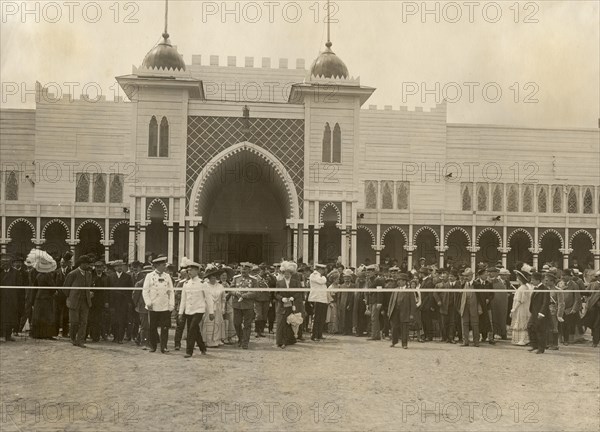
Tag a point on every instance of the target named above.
point(520, 309)
point(213, 332)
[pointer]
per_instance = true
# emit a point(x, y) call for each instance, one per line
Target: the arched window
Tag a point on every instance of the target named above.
point(402, 195)
point(371, 194)
point(82, 190)
point(153, 138)
point(327, 143)
point(588, 202)
point(572, 201)
point(12, 186)
point(497, 199)
point(387, 195)
point(542, 200)
point(512, 199)
point(164, 138)
point(482, 197)
point(336, 157)
point(466, 196)
point(557, 199)
point(99, 188)
point(527, 199)
point(116, 188)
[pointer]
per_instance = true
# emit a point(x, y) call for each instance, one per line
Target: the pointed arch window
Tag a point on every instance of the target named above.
point(371, 194)
point(82, 190)
point(332, 144)
point(497, 198)
point(336, 156)
point(572, 206)
point(12, 186)
point(116, 188)
point(512, 201)
point(588, 202)
point(557, 199)
point(527, 199)
point(402, 195)
point(542, 200)
point(99, 195)
point(387, 195)
point(163, 149)
point(153, 138)
point(466, 196)
point(482, 197)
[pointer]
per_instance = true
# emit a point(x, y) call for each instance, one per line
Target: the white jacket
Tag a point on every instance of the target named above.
point(318, 287)
point(158, 292)
point(195, 298)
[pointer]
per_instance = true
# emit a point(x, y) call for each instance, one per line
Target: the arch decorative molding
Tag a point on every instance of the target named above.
point(523, 230)
point(457, 229)
point(162, 204)
point(223, 156)
point(87, 222)
point(578, 232)
point(114, 228)
point(556, 233)
point(394, 228)
point(16, 221)
point(368, 230)
point(56, 221)
point(489, 229)
point(426, 228)
point(337, 212)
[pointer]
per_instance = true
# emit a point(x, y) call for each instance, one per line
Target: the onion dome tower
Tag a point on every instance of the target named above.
point(164, 55)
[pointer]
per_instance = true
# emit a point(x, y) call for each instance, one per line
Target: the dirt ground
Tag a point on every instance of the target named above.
point(342, 383)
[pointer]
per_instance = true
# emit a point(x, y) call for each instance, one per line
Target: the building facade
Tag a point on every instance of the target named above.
point(216, 160)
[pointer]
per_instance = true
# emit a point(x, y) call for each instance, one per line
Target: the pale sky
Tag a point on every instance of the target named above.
point(391, 45)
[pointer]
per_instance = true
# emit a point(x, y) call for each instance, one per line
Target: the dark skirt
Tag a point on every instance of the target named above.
point(285, 333)
point(43, 323)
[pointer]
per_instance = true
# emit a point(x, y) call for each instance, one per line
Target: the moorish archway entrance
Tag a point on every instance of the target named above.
point(244, 200)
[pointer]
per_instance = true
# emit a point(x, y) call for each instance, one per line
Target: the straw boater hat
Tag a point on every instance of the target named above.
point(44, 263)
point(160, 259)
point(320, 266)
point(468, 272)
point(504, 271)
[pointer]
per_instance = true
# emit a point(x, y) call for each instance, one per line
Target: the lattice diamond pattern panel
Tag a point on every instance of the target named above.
point(283, 138)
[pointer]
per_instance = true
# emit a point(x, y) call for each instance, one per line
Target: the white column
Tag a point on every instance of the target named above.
point(142, 244)
point(442, 248)
point(132, 230)
point(296, 245)
point(305, 232)
point(170, 243)
point(316, 243)
point(353, 236)
point(191, 246)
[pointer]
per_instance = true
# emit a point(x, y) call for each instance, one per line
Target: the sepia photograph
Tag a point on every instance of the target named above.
point(298, 215)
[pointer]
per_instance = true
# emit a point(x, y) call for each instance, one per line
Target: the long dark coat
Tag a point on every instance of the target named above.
point(10, 299)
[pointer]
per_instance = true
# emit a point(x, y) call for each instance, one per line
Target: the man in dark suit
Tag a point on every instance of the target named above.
point(485, 299)
point(539, 307)
point(120, 299)
point(9, 297)
point(79, 301)
point(62, 311)
point(99, 301)
point(445, 302)
point(469, 309)
point(401, 310)
point(429, 309)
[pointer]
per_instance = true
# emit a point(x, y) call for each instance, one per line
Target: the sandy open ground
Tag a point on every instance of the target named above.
point(342, 383)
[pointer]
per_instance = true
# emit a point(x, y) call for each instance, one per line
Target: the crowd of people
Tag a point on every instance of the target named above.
point(222, 305)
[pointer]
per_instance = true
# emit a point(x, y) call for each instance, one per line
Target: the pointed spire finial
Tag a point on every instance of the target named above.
point(166, 33)
point(328, 44)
